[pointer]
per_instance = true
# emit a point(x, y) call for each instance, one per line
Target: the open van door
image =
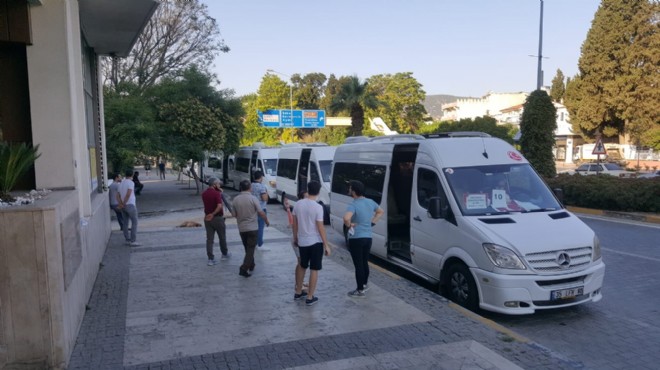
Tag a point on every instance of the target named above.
point(303, 170)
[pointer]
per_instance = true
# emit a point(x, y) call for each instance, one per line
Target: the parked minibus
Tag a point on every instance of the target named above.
point(300, 163)
point(247, 160)
point(468, 211)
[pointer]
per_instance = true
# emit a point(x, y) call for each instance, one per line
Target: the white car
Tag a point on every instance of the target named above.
point(611, 169)
point(650, 175)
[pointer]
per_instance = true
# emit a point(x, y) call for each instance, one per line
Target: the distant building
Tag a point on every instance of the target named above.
point(489, 105)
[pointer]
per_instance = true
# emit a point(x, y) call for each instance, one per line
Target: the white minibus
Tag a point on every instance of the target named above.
point(468, 211)
point(299, 163)
point(247, 160)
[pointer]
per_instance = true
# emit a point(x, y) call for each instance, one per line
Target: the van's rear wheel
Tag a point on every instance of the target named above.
point(459, 286)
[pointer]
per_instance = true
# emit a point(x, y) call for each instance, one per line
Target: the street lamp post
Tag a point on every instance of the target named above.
point(290, 88)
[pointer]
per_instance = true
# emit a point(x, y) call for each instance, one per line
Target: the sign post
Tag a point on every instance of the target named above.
point(599, 149)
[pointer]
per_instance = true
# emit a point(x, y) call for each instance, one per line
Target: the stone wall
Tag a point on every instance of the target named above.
point(49, 259)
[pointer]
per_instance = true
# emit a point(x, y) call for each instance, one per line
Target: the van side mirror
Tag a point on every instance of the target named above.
point(559, 193)
point(438, 208)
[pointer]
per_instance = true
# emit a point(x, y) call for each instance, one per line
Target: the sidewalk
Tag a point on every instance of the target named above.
point(159, 306)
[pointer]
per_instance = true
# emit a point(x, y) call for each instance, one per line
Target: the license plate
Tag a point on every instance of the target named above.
point(566, 293)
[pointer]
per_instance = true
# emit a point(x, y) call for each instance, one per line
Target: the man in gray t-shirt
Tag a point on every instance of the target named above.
point(259, 191)
point(247, 210)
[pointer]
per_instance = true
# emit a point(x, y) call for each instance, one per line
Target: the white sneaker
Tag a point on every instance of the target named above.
point(225, 256)
point(135, 244)
point(212, 263)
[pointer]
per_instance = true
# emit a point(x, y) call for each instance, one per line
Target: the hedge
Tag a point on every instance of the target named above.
point(609, 192)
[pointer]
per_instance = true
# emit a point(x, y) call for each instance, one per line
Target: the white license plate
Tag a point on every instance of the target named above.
point(566, 293)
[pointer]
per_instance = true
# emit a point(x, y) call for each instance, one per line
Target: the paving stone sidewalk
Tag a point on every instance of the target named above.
point(158, 306)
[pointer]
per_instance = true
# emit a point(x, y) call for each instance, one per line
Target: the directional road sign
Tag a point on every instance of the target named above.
point(296, 118)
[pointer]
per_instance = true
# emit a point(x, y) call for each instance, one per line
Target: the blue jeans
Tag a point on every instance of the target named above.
point(260, 233)
point(130, 213)
point(120, 216)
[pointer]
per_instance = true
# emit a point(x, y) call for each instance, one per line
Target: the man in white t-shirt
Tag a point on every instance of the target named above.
point(309, 235)
point(126, 200)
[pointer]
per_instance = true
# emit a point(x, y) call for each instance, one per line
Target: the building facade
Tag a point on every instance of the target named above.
point(51, 96)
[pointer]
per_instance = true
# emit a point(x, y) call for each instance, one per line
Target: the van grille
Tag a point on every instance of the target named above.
point(563, 260)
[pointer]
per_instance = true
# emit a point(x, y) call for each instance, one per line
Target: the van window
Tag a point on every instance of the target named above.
point(372, 176)
point(287, 167)
point(270, 166)
point(313, 172)
point(242, 164)
point(495, 189)
point(428, 185)
point(326, 170)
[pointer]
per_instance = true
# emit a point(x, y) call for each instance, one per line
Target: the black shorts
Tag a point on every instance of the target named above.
point(311, 256)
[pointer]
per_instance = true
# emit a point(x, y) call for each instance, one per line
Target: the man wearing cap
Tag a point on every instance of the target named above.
point(214, 221)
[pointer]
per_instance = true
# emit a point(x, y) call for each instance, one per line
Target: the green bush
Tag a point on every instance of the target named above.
point(608, 192)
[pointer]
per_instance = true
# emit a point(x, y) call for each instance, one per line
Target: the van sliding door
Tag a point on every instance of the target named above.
point(303, 170)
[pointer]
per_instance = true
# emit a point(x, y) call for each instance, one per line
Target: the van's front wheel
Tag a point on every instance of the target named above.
point(459, 286)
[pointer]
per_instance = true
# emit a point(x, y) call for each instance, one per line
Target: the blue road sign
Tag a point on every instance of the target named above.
point(287, 118)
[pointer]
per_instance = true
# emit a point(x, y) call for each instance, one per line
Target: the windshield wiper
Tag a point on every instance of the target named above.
point(541, 210)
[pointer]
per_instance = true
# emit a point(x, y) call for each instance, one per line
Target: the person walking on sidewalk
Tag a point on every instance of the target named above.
point(360, 216)
point(161, 170)
point(114, 200)
point(214, 222)
point(246, 210)
point(309, 234)
point(259, 191)
point(126, 200)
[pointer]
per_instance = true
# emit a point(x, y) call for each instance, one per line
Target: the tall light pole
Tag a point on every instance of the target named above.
point(539, 72)
point(290, 88)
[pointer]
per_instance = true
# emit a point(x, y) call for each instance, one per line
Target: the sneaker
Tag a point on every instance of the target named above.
point(243, 273)
point(128, 242)
point(135, 244)
point(297, 297)
point(312, 301)
point(356, 294)
point(212, 263)
point(365, 288)
point(225, 256)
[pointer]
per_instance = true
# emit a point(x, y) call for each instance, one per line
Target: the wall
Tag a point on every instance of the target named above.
point(48, 264)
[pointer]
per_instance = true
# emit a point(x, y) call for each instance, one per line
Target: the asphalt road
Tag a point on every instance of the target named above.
point(622, 331)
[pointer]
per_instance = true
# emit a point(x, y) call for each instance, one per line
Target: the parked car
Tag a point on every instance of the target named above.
point(650, 175)
point(611, 169)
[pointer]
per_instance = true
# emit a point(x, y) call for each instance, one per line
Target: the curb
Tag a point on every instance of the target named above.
point(650, 218)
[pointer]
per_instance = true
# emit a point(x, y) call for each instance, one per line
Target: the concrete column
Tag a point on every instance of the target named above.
point(569, 150)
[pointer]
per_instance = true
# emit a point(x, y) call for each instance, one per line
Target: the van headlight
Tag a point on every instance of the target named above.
point(597, 252)
point(503, 257)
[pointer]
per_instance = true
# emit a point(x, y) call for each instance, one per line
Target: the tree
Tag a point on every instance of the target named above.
point(616, 90)
point(558, 88)
point(400, 97)
point(180, 33)
point(354, 97)
point(308, 90)
point(484, 124)
point(537, 126)
point(273, 94)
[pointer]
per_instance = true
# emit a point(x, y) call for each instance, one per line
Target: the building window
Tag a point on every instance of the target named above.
point(92, 117)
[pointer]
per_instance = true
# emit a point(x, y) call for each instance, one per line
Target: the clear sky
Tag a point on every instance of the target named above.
point(457, 47)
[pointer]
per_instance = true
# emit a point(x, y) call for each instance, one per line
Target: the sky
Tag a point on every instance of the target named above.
point(455, 47)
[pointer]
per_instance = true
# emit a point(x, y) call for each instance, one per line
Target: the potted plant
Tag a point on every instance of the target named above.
point(15, 160)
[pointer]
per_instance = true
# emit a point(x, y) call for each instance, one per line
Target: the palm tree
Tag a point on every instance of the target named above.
point(354, 96)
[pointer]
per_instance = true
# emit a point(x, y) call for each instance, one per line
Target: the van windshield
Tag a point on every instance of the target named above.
point(497, 189)
point(270, 167)
point(326, 170)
